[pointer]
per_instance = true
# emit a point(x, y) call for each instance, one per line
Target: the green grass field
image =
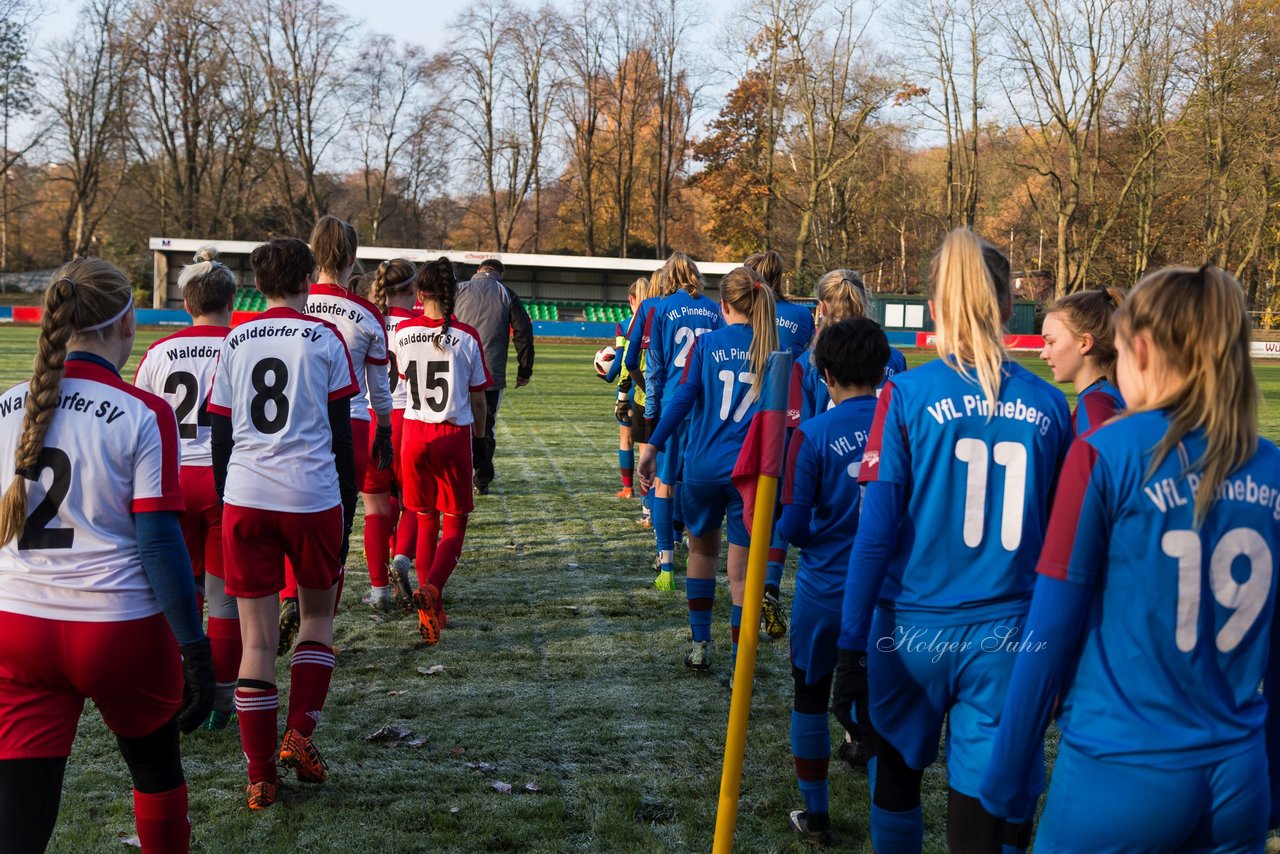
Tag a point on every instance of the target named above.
point(562, 668)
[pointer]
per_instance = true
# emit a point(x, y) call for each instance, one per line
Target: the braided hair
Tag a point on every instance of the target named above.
point(393, 274)
point(435, 280)
point(86, 296)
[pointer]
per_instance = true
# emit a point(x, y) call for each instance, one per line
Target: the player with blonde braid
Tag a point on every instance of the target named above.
point(97, 599)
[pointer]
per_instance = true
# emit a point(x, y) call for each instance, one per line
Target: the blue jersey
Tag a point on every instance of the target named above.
point(795, 327)
point(638, 334)
point(823, 459)
point(1098, 402)
point(977, 482)
point(678, 320)
point(816, 398)
point(1180, 626)
point(717, 381)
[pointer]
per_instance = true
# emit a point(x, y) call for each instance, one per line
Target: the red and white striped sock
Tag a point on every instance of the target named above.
point(312, 669)
point(256, 708)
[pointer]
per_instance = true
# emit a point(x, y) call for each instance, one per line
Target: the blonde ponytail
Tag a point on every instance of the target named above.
point(681, 273)
point(743, 289)
point(843, 295)
point(1199, 321)
point(967, 306)
point(85, 294)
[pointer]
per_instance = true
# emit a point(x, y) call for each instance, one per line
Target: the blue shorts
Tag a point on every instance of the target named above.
point(815, 635)
point(705, 506)
point(1097, 805)
point(670, 459)
point(918, 677)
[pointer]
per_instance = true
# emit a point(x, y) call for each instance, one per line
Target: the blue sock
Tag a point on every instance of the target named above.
point(677, 509)
point(647, 501)
point(626, 465)
point(811, 752)
point(777, 561)
point(772, 577)
point(701, 593)
point(663, 532)
point(897, 832)
point(735, 625)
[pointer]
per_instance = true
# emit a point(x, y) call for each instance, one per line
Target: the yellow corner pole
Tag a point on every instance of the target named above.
point(735, 742)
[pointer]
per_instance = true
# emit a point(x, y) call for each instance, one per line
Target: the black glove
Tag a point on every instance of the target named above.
point(382, 451)
point(622, 410)
point(198, 685)
point(850, 691)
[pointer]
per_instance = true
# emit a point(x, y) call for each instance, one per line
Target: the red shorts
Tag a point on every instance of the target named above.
point(131, 670)
point(435, 464)
point(202, 521)
point(256, 543)
point(378, 481)
point(360, 439)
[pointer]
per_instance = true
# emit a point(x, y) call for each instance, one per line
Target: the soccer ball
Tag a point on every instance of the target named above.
point(604, 359)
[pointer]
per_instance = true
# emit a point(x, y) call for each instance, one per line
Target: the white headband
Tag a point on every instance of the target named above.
point(104, 324)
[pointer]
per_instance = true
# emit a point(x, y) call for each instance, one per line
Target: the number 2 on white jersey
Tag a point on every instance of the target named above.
point(726, 398)
point(1246, 600)
point(1011, 455)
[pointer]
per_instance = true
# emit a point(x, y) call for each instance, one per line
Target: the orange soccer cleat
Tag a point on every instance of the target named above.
point(430, 613)
point(298, 752)
point(626, 492)
point(262, 795)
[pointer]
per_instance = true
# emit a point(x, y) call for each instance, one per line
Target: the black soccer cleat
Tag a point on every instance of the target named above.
point(813, 828)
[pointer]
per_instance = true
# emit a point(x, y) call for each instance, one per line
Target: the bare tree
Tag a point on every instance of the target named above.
point(486, 113)
point(584, 70)
point(949, 43)
point(770, 44)
point(835, 96)
point(1150, 86)
point(187, 74)
point(674, 107)
point(17, 98)
point(389, 85)
point(629, 97)
point(536, 74)
point(300, 47)
point(89, 103)
point(1070, 54)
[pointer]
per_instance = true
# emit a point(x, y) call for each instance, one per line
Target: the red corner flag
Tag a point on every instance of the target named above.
point(766, 437)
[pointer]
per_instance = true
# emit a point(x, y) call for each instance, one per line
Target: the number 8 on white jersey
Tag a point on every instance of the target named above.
point(275, 379)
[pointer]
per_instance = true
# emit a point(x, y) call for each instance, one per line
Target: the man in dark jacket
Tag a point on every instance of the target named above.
point(495, 312)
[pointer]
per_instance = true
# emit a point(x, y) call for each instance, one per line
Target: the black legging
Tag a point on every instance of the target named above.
point(31, 789)
point(483, 448)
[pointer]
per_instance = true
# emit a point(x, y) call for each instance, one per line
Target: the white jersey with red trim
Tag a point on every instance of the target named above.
point(179, 369)
point(111, 451)
point(362, 327)
point(395, 317)
point(439, 369)
point(275, 379)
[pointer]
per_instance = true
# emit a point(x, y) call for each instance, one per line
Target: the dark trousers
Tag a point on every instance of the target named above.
point(482, 449)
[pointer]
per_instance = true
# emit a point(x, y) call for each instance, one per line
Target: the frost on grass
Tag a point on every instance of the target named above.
point(569, 677)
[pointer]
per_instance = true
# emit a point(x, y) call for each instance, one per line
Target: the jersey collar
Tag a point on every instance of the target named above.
point(397, 311)
point(283, 311)
point(91, 359)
